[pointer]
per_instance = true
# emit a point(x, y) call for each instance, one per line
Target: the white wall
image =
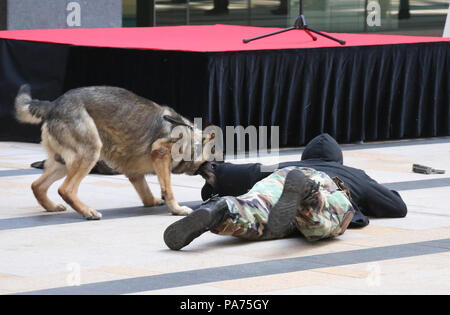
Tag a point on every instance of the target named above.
point(44, 14)
point(447, 24)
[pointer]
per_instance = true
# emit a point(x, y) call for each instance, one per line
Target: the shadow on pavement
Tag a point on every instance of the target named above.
point(74, 217)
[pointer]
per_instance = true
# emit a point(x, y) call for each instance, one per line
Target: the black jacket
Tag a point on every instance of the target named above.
point(323, 154)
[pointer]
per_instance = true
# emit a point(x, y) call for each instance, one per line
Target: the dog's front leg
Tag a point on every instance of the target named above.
point(162, 164)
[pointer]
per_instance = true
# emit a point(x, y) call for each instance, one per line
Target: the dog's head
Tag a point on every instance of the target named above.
point(191, 147)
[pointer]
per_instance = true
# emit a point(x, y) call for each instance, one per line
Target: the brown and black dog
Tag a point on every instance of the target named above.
point(131, 133)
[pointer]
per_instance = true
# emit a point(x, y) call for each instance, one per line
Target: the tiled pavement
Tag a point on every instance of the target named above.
point(124, 252)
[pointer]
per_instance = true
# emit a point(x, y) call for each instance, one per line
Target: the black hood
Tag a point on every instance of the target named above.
point(325, 148)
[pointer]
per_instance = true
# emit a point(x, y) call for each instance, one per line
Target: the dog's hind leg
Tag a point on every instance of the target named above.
point(53, 172)
point(141, 186)
point(162, 164)
point(76, 171)
point(72, 135)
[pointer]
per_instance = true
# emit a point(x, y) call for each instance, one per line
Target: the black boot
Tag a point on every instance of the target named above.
point(298, 191)
point(209, 215)
point(220, 7)
point(217, 11)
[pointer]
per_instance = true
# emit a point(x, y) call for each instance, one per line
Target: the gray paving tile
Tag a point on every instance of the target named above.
point(257, 269)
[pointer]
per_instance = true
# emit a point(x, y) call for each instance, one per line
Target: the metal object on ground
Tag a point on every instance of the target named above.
point(417, 168)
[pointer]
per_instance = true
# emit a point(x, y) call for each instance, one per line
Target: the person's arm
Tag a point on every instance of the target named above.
point(380, 202)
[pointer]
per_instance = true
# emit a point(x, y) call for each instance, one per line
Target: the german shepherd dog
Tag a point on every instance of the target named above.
point(131, 133)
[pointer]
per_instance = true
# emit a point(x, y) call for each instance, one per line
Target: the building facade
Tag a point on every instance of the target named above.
point(409, 17)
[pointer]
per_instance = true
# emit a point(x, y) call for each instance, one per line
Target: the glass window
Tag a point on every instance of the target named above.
point(129, 13)
point(410, 17)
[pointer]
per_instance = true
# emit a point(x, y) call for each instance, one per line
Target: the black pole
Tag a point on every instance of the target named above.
point(188, 12)
point(403, 12)
point(3, 15)
point(365, 15)
point(247, 40)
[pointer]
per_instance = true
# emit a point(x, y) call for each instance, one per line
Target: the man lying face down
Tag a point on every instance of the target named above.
point(323, 154)
point(319, 196)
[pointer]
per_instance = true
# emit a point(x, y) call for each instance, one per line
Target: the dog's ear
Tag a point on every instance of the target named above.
point(176, 121)
point(209, 137)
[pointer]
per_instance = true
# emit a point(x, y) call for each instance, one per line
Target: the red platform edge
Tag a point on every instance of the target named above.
point(203, 38)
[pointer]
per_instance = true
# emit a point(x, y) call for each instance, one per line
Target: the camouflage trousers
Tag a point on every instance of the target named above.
point(250, 212)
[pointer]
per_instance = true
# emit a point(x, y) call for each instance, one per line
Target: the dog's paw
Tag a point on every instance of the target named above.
point(57, 208)
point(159, 201)
point(154, 202)
point(91, 214)
point(182, 211)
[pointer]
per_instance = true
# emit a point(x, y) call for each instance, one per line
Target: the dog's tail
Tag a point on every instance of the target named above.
point(28, 110)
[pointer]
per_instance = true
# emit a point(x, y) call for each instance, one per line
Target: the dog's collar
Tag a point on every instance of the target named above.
point(175, 121)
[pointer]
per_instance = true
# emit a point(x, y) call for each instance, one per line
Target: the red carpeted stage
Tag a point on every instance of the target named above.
point(376, 87)
point(211, 38)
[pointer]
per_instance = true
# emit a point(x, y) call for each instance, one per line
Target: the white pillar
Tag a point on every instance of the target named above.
point(47, 14)
point(447, 25)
